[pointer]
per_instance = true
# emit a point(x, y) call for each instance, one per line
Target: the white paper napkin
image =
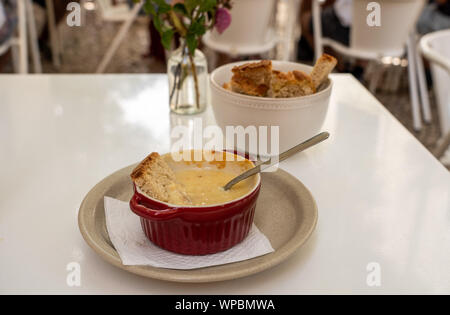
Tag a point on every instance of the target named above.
point(125, 232)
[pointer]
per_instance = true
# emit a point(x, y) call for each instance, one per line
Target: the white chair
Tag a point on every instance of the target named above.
point(436, 48)
point(250, 31)
point(288, 29)
point(398, 20)
point(122, 14)
point(18, 43)
point(119, 12)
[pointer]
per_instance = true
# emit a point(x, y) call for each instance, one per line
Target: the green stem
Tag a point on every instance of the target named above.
point(178, 81)
point(194, 72)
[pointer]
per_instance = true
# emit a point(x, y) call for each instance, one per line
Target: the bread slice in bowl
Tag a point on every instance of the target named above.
point(252, 78)
point(323, 67)
point(156, 179)
point(259, 79)
point(290, 84)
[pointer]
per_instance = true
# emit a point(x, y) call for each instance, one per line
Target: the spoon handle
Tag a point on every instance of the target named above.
point(283, 156)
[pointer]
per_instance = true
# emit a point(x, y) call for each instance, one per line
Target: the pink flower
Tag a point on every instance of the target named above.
point(223, 20)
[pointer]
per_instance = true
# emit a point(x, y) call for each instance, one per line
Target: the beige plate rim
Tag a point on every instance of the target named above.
point(86, 219)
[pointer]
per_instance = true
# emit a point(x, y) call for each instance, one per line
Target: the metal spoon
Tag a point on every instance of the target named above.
point(283, 156)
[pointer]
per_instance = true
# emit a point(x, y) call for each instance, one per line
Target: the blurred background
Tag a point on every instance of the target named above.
point(114, 36)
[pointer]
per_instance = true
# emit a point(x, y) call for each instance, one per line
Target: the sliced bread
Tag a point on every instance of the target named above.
point(290, 84)
point(323, 67)
point(156, 179)
point(252, 78)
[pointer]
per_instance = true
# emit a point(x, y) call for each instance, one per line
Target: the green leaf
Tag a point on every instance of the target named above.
point(166, 38)
point(157, 23)
point(197, 27)
point(191, 41)
point(202, 19)
point(207, 5)
point(163, 7)
point(149, 8)
point(180, 8)
point(191, 5)
point(178, 23)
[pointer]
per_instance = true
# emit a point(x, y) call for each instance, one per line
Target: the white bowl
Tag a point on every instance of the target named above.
point(298, 118)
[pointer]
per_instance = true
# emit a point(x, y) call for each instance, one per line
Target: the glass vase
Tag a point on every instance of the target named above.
point(188, 79)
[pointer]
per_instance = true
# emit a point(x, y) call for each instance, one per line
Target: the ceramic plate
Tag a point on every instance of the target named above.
point(285, 212)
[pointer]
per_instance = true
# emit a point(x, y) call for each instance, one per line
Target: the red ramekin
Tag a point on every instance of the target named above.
point(196, 230)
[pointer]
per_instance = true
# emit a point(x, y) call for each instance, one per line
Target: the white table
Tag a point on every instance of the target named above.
point(382, 197)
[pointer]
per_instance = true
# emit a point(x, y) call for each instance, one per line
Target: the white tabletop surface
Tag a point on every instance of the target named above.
point(382, 197)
